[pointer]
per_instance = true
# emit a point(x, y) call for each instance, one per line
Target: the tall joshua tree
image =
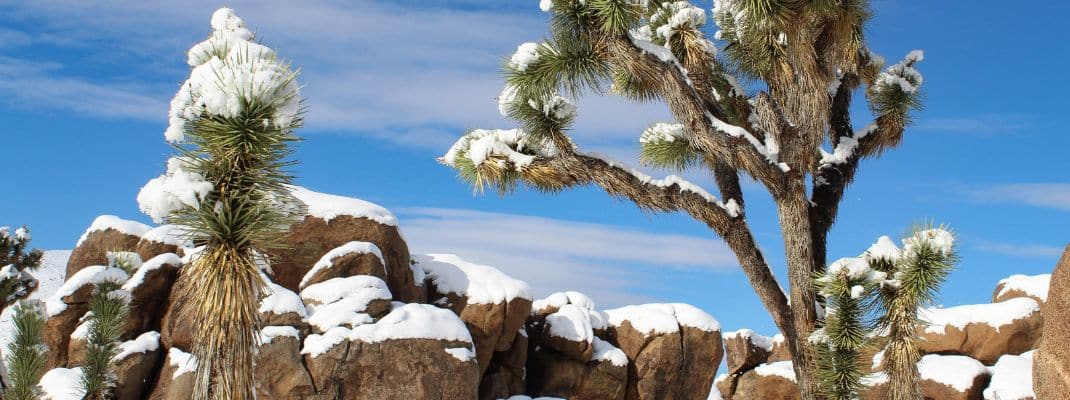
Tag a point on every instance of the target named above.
point(232, 122)
point(807, 59)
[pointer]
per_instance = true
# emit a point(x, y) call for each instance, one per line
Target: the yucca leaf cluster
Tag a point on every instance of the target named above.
point(16, 260)
point(25, 355)
point(871, 304)
point(108, 310)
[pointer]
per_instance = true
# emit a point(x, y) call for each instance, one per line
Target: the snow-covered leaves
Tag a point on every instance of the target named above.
point(176, 189)
point(231, 74)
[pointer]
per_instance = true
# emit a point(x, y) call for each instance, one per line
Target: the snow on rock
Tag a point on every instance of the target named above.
point(174, 235)
point(326, 262)
point(480, 284)
point(49, 276)
point(269, 333)
point(1031, 285)
point(176, 189)
point(414, 321)
point(105, 222)
point(1012, 378)
point(316, 344)
point(87, 276)
point(462, 353)
point(605, 351)
point(957, 372)
point(572, 323)
point(597, 318)
point(62, 384)
point(280, 300)
point(328, 206)
point(995, 315)
point(753, 337)
point(152, 264)
point(782, 369)
point(336, 289)
point(146, 342)
point(350, 309)
point(663, 318)
point(183, 362)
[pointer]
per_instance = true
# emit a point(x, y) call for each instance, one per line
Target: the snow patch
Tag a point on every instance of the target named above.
point(328, 207)
point(335, 289)
point(62, 384)
point(1032, 285)
point(105, 222)
point(87, 276)
point(317, 344)
point(957, 372)
point(175, 190)
point(414, 321)
point(182, 362)
point(605, 351)
point(1012, 378)
point(994, 315)
point(280, 300)
point(269, 333)
point(663, 318)
point(153, 264)
point(753, 337)
point(462, 353)
point(782, 369)
point(326, 262)
point(480, 284)
point(525, 55)
point(146, 342)
point(572, 323)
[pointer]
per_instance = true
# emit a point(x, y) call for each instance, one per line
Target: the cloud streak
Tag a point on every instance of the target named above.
point(1043, 195)
point(1022, 250)
point(608, 262)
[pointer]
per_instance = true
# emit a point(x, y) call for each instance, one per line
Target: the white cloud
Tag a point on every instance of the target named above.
point(1045, 195)
point(1022, 250)
point(981, 125)
point(32, 84)
point(407, 72)
point(605, 261)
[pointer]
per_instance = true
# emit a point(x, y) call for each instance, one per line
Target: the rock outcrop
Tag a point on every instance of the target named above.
point(1051, 362)
point(349, 314)
point(982, 331)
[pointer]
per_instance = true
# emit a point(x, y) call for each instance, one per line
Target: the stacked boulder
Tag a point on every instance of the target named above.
point(971, 352)
point(349, 313)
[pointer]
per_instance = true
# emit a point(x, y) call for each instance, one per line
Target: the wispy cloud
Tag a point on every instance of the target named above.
point(979, 125)
point(608, 262)
point(1022, 250)
point(409, 72)
point(1045, 195)
point(30, 84)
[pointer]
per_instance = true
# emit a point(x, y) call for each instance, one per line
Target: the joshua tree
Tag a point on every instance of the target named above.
point(108, 309)
point(26, 352)
point(873, 300)
point(232, 123)
point(806, 60)
point(15, 263)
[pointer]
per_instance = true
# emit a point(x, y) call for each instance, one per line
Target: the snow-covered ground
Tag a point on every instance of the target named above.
point(50, 275)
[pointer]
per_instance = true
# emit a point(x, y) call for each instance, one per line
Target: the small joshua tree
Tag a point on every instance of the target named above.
point(15, 263)
point(26, 352)
point(807, 60)
point(108, 308)
point(874, 300)
point(232, 122)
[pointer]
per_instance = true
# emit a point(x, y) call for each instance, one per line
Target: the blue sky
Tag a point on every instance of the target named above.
point(84, 92)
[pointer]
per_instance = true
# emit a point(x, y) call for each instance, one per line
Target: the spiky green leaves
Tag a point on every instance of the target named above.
point(616, 16)
point(15, 260)
point(665, 145)
point(878, 295)
point(897, 90)
point(25, 356)
point(108, 311)
point(499, 159)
